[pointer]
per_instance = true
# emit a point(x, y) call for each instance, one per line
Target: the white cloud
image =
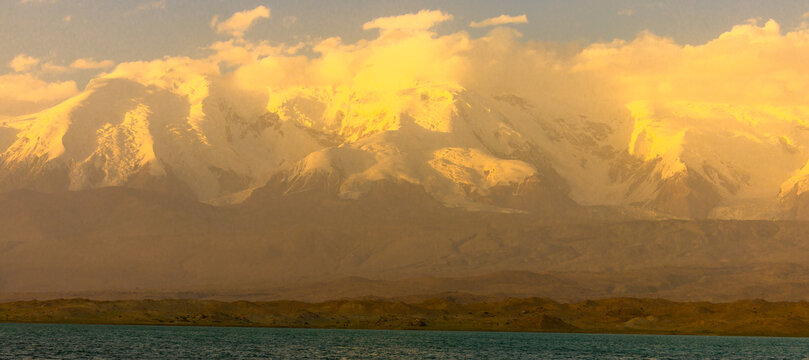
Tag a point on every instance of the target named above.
point(23, 63)
point(500, 20)
point(153, 5)
point(237, 24)
point(90, 63)
point(423, 20)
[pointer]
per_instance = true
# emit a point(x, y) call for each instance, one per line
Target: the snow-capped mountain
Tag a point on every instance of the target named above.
point(195, 134)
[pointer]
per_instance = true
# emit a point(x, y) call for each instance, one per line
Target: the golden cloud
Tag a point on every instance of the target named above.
point(91, 64)
point(423, 20)
point(750, 64)
point(23, 63)
point(24, 93)
point(500, 20)
point(237, 24)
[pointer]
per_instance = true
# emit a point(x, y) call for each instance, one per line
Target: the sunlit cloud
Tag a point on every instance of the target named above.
point(239, 52)
point(238, 24)
point(423, 20)
point(49, 68)
point(23, 93)
point(153, 5)
point(90, 63)
point(500, 20)
point(749, 64)
point(288, 21)
point(23, 63)
point(626, 12)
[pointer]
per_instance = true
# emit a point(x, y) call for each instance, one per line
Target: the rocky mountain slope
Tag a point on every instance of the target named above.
point(123, 241)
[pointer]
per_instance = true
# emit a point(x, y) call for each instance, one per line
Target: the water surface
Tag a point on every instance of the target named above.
point(115, 341)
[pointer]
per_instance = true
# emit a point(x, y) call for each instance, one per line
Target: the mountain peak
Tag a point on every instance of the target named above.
point(465, 148)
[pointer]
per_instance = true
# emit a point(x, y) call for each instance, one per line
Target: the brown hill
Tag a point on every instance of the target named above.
point(617, 315)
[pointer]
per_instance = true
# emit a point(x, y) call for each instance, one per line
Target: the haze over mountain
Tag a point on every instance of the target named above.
point(414, 154)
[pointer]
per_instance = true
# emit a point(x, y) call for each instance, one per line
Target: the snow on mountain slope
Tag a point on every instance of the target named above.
point(430, 135)
point(733, 159)
point(119, 128)
point(180, 125)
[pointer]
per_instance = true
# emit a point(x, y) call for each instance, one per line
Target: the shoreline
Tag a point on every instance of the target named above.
point(235, 326)
point(607, 316)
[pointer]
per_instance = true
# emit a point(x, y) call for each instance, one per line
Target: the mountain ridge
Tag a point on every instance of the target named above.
point(469, 150)
point(119, 239)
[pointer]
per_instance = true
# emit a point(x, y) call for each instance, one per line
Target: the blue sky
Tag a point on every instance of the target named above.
point(124, 30)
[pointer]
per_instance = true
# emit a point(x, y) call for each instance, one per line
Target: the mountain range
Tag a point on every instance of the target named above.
point(186, 182)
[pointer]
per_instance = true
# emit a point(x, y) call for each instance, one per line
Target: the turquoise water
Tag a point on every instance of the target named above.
point(21, 341)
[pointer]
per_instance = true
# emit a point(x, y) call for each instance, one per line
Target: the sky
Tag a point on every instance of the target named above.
point(126, 30)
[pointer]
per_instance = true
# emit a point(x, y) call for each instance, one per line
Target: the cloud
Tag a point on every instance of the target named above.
point(750, 64)
point(239, 52)
point(380, 65)
point(423, 20)
point(24, 93)
point(500, 20)
point(49, 68)
point(90, 63)
point(626, 12)
point(23, 63)
point(288, 21)
point(237, 24)
point(153, 5)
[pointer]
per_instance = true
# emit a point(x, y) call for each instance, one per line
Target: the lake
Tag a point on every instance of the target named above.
point(63, 341)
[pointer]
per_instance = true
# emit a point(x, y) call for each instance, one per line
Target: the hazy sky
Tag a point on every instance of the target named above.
point(124, 30)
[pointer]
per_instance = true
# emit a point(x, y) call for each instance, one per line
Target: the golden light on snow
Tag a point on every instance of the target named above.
point(738, 98)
